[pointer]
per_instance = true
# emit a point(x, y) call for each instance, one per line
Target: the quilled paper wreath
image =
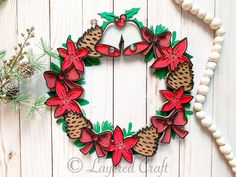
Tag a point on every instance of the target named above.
point(171, 61)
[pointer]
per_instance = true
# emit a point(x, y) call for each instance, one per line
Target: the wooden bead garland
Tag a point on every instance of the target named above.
point(202, 90)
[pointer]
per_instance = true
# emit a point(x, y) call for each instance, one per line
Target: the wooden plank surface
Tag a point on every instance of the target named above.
point(117, 92)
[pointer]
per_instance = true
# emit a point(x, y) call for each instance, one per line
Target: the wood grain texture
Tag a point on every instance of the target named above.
point(120, 90)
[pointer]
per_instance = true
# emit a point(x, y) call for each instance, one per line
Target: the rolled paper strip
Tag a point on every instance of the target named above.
point(200, 115)
point(201, 14)
point(216, 23)
point(203, 90)
point(187, 5)
point(200, 98)
point(226, 149)
point(218, 40)
point(220, 31)
point(230, 156)
point(179, 1)
point(212, 128)
point(208, 73)
point(233, 162)
point(221, 141)
point(207, 122)
point(208, 18)
point(214, 56)
point(216, 48)
point(211, 65)
point(205, 81)
point(217, 134)
point(198, 107)
point(194, 10)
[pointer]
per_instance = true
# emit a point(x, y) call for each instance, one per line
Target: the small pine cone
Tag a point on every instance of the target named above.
point(182, 76)
point(25, 69)
point(74, 123)
point(148, 141)
point(89, 39)
point(11, 90)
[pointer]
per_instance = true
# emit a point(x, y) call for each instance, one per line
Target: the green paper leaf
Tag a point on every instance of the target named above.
point(130, 13)
point(161, 113)
point(54, 67)
point(188, 55)
point(80, 81)
point(62, 121)
point(129, 132)
point(173, 134)
point(97, 127)
point(109, 16)
point(152, 29)
point(109, 155)
point(188, 112)
point(104, 24)
point(77, 143)
point(82, 101)
point(51, 93)
point(139, 23)
point(149, 56)
point(106, 125)
point(161, 73)
point(91, 61)
point(92, 151)
point(160, 29)
point(173, 39)
point(187, 105)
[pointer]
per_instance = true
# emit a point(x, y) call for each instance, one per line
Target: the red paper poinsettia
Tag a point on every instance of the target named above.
point(121, 147)
point(172, 56)
point(65, 78)
point(173, 122)
point(65, 99)
point(72, 56)
point(99, 141)
point(175, 99)
point(155, 41)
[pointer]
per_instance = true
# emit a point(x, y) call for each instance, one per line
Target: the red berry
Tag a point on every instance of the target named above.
point(123, 17)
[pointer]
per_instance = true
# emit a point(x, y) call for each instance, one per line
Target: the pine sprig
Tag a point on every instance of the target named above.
point(48, 50)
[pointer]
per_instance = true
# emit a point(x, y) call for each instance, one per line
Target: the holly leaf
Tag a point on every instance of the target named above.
point(139, 23)
point(160, 73)
point(54, 67)
point(62, 122)
point(109, 16)
point(130, 13)
point(149, 56)
point(82, 101)
point(77, 143)
point(104, 24)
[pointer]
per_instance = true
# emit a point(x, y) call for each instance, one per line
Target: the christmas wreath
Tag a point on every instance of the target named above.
point(171, 61)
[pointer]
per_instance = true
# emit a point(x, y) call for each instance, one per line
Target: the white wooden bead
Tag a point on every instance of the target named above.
point(217, 134)
point(226, 149)
point(207, 122)
point(187, 5)
point(214, 56)
point(218, 40)
point(194, 10)
point(220, 31)
point(232, 162)
point(201, 14)
point(211, 65)
point(230, 156)
point(202, 89)
point(208, 73)
point(208, 18)
point(200, 115)
point(216, 48)
point(216, 23)
point(205, 80)
point(234, 170)
point(221, 141)
point(197, 107)
point(179, 1)
point(212, 128)
point(200, 98)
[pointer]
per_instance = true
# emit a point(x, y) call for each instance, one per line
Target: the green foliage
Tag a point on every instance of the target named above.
point(109, 16)
point(129, 131)
point(152, 29)
point(139, 23)
point(104, 24)
point(2, 54)
point(173, 134)
point(130, 13)
point(97, 127)
point(36, 105)
point(105, 126)
point(78, 144)
point(51, 93)
point(81, 81)
point(47, 49)
point(160, 29)
point(22, 98)
point(35, 60)
point(149, 56)
point(82, 101)
point(62, 122)
point(91, 61)
point(54, 67)
point(161, 113)
point(173, 39)
point(161, 73)
point(188, 55)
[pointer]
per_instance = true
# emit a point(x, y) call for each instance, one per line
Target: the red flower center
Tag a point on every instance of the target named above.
point(120, 146)
point(66, 100)
point(174, 100)
point(173, 56)
point(72, 56)
point(169, 121)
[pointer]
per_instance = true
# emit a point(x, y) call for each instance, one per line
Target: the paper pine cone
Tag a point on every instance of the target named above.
point(25, 69)
point(74, 123)
point(11, 90)
point(182, 76)
point(148, 141)
point(89, 39)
